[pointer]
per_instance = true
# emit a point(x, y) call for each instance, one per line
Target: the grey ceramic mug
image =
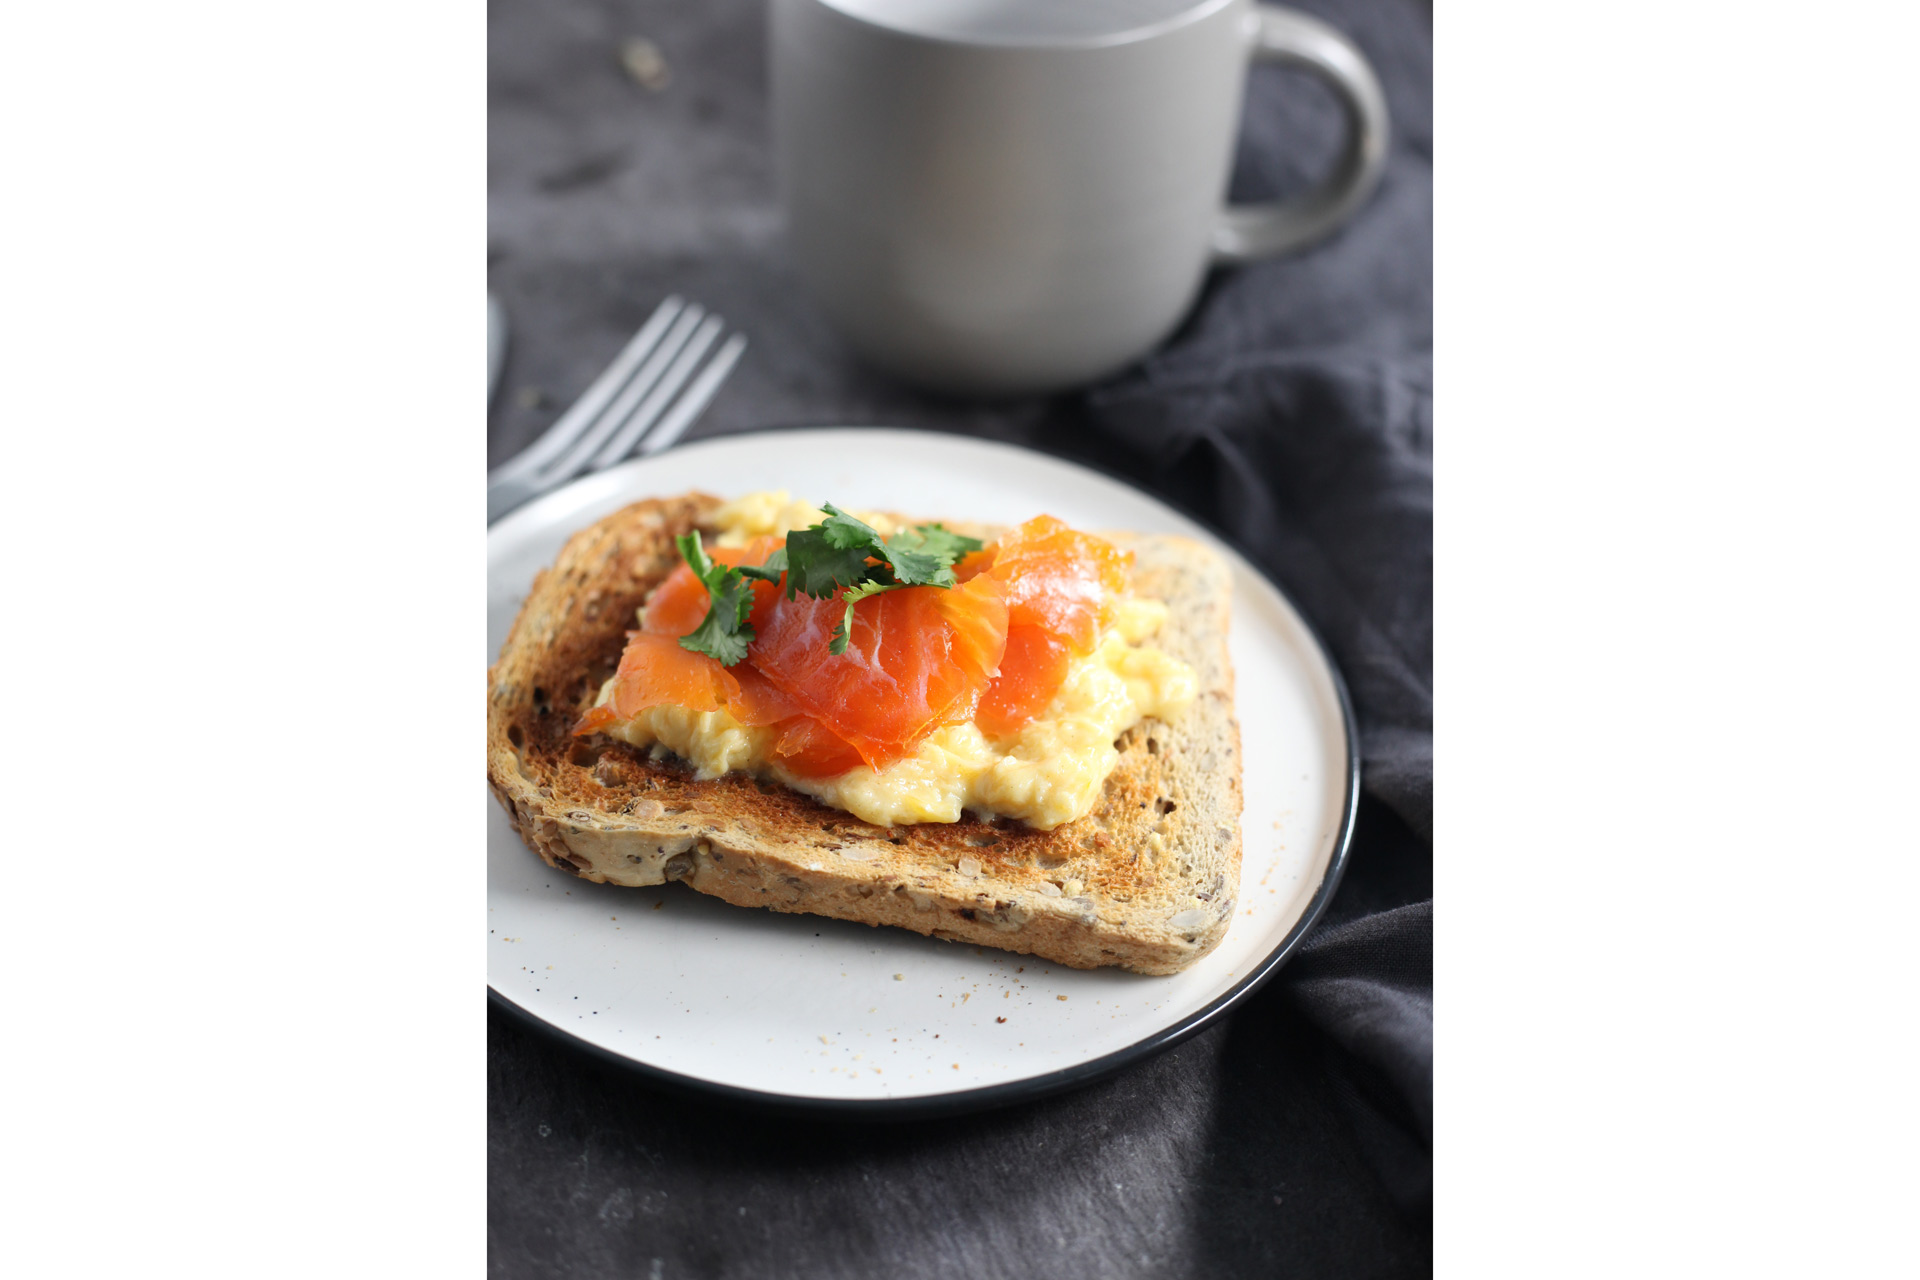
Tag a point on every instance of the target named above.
point(1005, 196)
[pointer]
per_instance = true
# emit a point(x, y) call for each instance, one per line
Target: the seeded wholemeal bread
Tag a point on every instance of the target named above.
point(1146, 881)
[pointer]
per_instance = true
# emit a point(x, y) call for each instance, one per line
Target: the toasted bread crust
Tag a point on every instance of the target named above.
point(1147, 880)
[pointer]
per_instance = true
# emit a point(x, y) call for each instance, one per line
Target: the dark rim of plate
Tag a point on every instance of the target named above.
point(963, 1101)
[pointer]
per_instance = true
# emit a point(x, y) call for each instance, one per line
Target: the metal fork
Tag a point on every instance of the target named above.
point(648, 397)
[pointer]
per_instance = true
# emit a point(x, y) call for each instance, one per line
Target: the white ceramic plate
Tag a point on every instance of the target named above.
point(810, 1013)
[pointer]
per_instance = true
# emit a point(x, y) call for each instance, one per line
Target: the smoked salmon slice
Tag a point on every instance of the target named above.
point(1031, 673)
point(805, 746)
point(812, 750)
point(1062, 580)
point(654, 669)
point(916, 658)
point(1062, 588)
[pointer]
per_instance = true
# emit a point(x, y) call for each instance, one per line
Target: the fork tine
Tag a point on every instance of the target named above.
point(643, 417)
point(587, 408)
point(691, 404)
point(637, 392)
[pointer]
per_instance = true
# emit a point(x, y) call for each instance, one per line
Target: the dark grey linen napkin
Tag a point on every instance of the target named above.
point(1293, 412)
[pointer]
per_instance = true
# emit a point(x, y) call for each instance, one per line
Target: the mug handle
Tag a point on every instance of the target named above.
point(1249, 231)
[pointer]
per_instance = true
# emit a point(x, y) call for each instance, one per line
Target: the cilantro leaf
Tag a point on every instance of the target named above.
point(723, 634)
point(713, 637)
point(824, 557)
point(924, 555)
point(776, 564)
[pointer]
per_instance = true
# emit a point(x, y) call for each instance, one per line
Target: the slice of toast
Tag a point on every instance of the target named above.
point(1146, 881)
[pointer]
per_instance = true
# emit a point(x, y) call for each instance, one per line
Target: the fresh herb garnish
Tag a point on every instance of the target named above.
point(723, 634)
point(925, 554)
point(775, 565)
point(838, 552)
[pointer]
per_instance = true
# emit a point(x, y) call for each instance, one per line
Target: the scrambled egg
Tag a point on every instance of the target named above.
point(1050, 772)
point(776, 511)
